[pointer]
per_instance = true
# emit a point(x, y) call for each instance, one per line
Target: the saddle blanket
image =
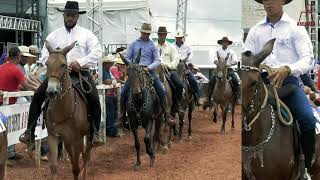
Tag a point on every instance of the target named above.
point(3, 120)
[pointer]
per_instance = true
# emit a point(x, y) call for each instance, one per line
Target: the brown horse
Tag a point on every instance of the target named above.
point(188, 99)
point(66, 115)
point(268, 150)
point(222, 92)
point(3, 154)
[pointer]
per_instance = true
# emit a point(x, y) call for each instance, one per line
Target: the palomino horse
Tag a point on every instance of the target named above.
point(142, 106)
point(268, 150)
point(3, 154)
point(188, 99)
point(222, 92)
point(66, 114)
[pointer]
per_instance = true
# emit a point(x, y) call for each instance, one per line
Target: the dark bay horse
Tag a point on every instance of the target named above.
point(268, 150)
point(142, 106)
point(222, 92)
point(3, 154)
point(66, 115)
point(188, 99)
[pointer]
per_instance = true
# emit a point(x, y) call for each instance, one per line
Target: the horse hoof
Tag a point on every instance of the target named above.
point(152, 162)
point(164, 149)
point(170, 144)
point(190, 137)
point(214, 120)
point(181, 141)
point(137, 167)
point(222, 131)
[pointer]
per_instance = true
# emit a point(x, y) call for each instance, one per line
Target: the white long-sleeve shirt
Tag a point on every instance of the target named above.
point(87, 51)
point(223, 53)
point(292, 47)
point(168, 55)
point(183, 51)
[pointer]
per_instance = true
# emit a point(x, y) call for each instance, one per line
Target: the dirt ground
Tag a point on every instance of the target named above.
point(209, 155)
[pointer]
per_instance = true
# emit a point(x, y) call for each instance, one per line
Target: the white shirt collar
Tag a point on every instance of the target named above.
point(284, 18)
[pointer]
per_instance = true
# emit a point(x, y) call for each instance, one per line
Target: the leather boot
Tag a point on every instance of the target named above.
point(164, 104)
point(308, 148)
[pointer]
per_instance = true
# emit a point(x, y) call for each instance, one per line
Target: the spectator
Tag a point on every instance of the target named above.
point(200, 78)
point(3, 58)
point(111, 96)
point(38, 70)
point(12, 79)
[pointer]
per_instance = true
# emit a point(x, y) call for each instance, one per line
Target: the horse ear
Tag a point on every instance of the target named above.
point(124, 59)
point(215, 62)
point(137, 60)
point(265, 52)
point(218, 56)
point(49, 46)
point(65, 50)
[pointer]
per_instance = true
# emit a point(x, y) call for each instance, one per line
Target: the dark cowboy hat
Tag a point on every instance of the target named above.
point(72, 6)
point(162, 30)
point(224, 39)
point(261, 1)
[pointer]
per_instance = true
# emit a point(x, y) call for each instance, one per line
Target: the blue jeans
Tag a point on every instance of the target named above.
point(157, 85)
point(112, 109)
point(11, 151)
point(193, 83)
point(299, 105)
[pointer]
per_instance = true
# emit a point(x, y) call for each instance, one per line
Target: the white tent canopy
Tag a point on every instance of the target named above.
point(119, 18)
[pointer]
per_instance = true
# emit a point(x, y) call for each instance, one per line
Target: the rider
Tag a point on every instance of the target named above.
point(225, 52)
point(150, 60)
point(291, 57)
point(168, 55)
point(185, 51)
point(85, 54)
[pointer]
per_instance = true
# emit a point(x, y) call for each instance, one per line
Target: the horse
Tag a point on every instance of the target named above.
point(66, 115)
point(188, 98)
point(142, 106)
point(269, 144)
point(222, 92)
point(3, 154)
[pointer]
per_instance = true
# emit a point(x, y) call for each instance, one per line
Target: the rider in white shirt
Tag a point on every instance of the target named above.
point(291, 57)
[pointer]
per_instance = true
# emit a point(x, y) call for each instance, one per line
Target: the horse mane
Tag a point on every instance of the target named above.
point(148, 81)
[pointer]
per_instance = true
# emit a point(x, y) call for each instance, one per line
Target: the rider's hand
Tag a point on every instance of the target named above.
point(75, 66)
point(146, 69)
point(278, 75)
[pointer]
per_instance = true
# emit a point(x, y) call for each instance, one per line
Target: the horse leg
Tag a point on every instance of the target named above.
point(181, 116)
point(74, 153)
point(156, 135)
point(215, 108)
point(147, 141)
point(137, 166)
point(3, 154)
point(53, 155)
point(86, 158)
point(224, 110)
point(190, 120)
point(232, 115)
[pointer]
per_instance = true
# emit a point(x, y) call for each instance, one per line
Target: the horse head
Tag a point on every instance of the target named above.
point(250, 73)
point(222, 68)
point(57, 68)
point(136, 75)
point(182, 67)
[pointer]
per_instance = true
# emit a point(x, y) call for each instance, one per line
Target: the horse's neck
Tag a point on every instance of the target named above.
point(222, 84)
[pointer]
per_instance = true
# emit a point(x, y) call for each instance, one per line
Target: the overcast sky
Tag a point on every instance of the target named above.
point(208, 20)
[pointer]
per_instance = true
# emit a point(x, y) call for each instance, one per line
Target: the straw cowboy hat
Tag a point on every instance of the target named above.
point(24, 51)
point(179, 34)
point(119, 61)
point(261, 1)
point(162, 30)
point(224, 39)
point(34, 50)
point(72, 6)
point(145, 28)
point(196, 68)
point(108, 59)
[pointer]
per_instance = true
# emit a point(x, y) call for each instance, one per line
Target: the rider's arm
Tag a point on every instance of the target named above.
point(156, 57)
point(173, 57)
point(94, 51)
point(304, 50)
point(250, 43)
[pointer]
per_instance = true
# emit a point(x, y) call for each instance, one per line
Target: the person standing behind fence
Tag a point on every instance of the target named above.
point(111, 95)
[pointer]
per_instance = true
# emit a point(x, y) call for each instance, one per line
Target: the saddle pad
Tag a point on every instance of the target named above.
point(3, 120)
point(316, 113)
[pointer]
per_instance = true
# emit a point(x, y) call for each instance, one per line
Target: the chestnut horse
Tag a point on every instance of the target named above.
point(66, 115)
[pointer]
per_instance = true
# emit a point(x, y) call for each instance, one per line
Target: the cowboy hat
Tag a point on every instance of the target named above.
point(24, 51)
point(119, 61)
point(34, 50)
point(224, 39)
point(145, 28)
point(196, 68)
point(72, 6)
point(261, 1)
point(179, 34)
point(108, 59)
point(162, 30)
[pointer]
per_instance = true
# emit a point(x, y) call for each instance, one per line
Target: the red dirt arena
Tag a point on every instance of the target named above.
point(209, 155)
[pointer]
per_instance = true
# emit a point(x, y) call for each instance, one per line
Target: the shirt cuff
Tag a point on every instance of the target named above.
point(82, 61)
